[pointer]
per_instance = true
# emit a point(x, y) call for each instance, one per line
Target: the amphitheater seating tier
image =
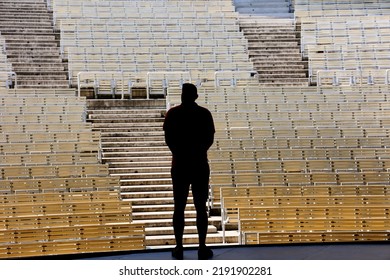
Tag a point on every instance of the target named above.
point(56, 195)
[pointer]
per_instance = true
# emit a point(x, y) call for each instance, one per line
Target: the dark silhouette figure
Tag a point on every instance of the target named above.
point(189, 133)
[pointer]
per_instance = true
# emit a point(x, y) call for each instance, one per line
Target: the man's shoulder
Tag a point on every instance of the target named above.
point(204, 109)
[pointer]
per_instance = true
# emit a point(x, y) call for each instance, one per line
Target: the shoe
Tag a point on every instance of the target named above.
point(205, 253)
point(177, 252)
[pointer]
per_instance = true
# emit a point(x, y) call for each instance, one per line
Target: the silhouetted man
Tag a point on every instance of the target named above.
point(189, 133)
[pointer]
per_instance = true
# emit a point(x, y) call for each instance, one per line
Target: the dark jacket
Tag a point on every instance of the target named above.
point(189, 133)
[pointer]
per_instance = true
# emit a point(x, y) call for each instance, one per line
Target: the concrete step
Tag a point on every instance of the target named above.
point(43, 84)
point(146, 188)
point(160, 215)
point(133, 146)
point(151, 141)
point(139, 170)
point(155, 231)
point(279, 66)
point(167, 222)
point(145, 144)
point(270, 36)
point(37, 67)
point(124, 159)
point(36, 53)
point(126, 121)
point(30, 59)
point(100, 114)
point(144, 176)
point(150, 201)
point(142, 182)
point(158, 207)
point(190, 239)
point(130, 132)
point(40, 76)
point(136, 151)
point(141, 164)
point(126, 125)
point(278, 58)
point(145, 195)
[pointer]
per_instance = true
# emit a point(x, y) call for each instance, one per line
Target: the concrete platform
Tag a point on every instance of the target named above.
point(339, 251)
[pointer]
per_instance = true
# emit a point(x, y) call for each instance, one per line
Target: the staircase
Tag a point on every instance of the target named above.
point(134, 147)
point(32, 44)
point(274, 48)
point(265, 8)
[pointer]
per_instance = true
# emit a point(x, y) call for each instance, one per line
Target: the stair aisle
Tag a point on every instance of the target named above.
point(274, 49)
point(265, 8)
point(133, 145)
point(32, 44)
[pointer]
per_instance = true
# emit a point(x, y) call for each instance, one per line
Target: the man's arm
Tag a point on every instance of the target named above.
point(210, 129)
point(168, 132)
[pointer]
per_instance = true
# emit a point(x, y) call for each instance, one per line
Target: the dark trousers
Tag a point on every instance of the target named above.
point(197, 176)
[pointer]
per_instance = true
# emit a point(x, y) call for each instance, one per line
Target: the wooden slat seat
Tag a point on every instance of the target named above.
point(48, 159)
point(32, 210)
point(43, 127)
point(234, 198)
point(39, 137)
point(46, 118)
point(81, 170)
point(341, 222)
point(55, 185)
point(71, 240)
point(49, 147)
point(13, 200)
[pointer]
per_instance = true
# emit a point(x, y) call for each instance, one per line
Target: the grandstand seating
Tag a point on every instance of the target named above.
point(293, 139)
point(206, 34)
point(56, 195)
point(32, 46)
point(271, 203)
point(344, 41)
point(289, 164)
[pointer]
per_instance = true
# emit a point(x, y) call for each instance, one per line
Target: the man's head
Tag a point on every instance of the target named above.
point(189, 93)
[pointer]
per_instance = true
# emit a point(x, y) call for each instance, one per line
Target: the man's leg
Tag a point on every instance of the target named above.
point(200, 192)
point(180, 194)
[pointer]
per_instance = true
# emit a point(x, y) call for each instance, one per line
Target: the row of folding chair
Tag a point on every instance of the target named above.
point(233, 120)
point(40, 92)
point(164, 26)
point(72, 240)
point(49, 159)
point(293, 115)
point(54, 171)
point(38, 109)
point(25, 199)
point(258, 133)
point(298, 153)
point(299, 179)
point(49, 147)
point(303, 143)
point(52, 137)
point(73, 41)
point(204, 69)
point(347, 57)
point(316, 205)
point(339, 30)
point(254, 228)
point(212, 94)
point(41, 118)
point(301, 166)
point(59, 186)
point(45, 127)
point(83, 53)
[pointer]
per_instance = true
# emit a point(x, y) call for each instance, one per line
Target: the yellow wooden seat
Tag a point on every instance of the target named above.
point(71, 240)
